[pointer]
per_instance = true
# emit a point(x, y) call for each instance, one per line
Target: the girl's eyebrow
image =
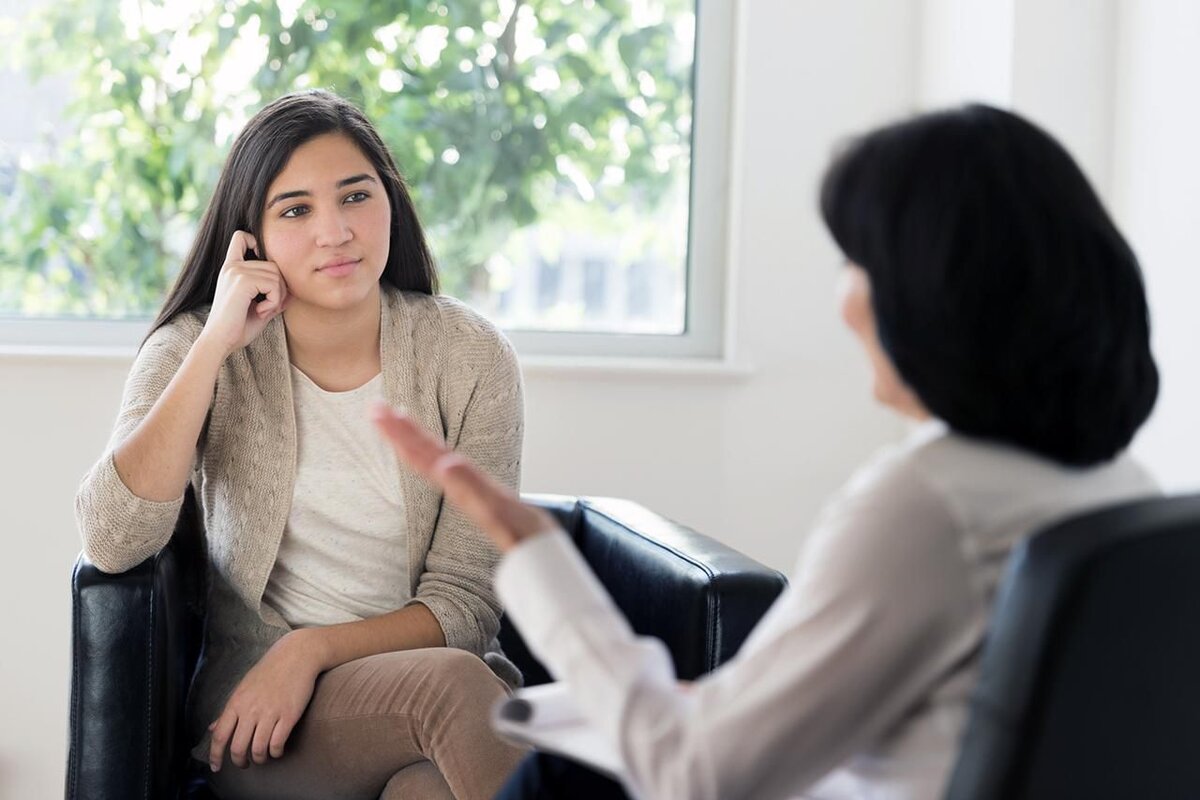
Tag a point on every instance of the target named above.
point(305, 193)
point(355, 179)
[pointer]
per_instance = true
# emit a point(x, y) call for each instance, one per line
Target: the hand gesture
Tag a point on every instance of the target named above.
point(266, 705)
point(238, 314)
point(491, 506)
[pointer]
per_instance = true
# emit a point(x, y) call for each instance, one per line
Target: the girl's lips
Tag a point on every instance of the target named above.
point(338, 270)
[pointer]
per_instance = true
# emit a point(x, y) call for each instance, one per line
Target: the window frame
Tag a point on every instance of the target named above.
point(703, 337)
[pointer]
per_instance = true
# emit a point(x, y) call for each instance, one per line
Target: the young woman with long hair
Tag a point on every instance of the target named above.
point(350, 642)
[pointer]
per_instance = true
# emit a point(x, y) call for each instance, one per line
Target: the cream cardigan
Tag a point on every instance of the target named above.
point(450, 368)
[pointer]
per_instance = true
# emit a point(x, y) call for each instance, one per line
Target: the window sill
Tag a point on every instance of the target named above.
point(59, 353)
point(600, 366)
point(585, 366)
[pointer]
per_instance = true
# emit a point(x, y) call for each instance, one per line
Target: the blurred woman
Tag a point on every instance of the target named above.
point(1003, 313)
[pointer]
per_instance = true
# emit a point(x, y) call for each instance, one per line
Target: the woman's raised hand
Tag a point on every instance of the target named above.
point(491, 506)
point(236, 319)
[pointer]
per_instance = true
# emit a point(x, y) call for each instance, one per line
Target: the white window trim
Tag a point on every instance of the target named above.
point(704, 341)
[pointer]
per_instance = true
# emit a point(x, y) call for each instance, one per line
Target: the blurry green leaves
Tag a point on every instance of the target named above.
point(499, 114)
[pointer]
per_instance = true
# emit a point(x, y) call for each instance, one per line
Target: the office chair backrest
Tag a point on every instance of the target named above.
point(1090, 681)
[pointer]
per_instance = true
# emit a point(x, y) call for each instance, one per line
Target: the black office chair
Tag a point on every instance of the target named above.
point(1090, 681)
point(136, 636)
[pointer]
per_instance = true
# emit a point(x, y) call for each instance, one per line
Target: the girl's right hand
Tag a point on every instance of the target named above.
point(235, 319)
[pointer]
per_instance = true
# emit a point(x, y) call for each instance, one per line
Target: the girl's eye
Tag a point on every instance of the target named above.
point(356, 197)
point(295, 211)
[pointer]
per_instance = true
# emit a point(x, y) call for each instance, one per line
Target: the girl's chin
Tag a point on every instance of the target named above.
point(345, 299)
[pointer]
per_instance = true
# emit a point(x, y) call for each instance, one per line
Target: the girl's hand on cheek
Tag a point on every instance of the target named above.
point(249, 294)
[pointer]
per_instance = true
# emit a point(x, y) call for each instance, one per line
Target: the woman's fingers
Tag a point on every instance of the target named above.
point(492, 506)
point(412, 444)
point(478, 495)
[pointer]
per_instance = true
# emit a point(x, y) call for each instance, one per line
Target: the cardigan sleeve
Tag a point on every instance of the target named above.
point(120, 529)
point(456, 585)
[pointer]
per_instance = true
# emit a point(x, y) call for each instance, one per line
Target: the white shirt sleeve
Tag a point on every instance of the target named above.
point(878, 610)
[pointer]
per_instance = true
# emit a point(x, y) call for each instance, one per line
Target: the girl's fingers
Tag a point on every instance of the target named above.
point(263, 734)
point(222, 729)
point(253, 282)
point(239, 243)
point(279, 737)
point(242, 736)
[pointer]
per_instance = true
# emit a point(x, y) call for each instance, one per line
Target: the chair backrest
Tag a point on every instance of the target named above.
point(1090, 679)
point(700, 597)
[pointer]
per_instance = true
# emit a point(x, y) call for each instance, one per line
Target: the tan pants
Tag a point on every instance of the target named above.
point(412, 724)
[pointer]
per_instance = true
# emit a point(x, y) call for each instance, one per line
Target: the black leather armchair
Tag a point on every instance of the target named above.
point(136, 636)
point(1090, 680)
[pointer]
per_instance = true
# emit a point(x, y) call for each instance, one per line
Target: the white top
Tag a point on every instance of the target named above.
point(344, 553)
point(856, 682)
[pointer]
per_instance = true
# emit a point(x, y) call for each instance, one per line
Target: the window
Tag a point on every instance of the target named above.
point(549, 145)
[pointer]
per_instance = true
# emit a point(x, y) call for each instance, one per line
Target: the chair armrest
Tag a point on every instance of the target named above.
point(129, 678)
point(700, 597)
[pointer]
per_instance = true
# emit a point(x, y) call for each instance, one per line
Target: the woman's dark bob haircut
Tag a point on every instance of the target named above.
point(1003, 293)
point(258, 155)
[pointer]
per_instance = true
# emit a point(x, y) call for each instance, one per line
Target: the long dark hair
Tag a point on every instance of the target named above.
point(1003, 293)
point(258, 155)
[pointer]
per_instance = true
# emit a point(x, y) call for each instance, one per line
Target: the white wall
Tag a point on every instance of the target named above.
point(965, 52)
point(1156, 179)
point(1050, 60)
point(746, 458)
point(1062, 77)
point(53, 417)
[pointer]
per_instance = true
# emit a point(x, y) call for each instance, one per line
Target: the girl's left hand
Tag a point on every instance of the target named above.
point(267, 704)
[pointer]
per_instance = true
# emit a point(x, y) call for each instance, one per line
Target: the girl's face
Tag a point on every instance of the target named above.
point(855, 300)
point(327, 224)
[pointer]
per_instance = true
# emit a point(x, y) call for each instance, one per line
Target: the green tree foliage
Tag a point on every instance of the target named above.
point(497, 113)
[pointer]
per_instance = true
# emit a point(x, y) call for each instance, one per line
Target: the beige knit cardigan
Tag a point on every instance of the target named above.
point(449, 367)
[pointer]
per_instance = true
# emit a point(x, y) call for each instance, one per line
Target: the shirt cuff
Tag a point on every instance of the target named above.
point(544, 583)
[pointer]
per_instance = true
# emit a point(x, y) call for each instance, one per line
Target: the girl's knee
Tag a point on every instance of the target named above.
point(465, 674)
